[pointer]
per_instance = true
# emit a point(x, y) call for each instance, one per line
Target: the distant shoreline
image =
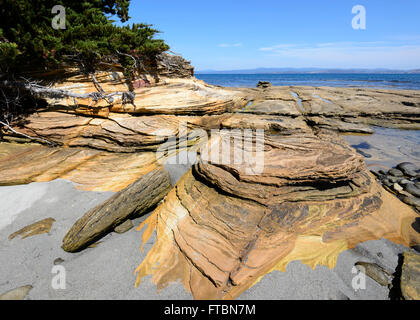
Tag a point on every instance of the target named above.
point(308, 71)
point(403, 81)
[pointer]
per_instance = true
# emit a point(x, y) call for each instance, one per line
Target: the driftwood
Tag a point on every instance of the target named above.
point(136, 199)
point(54, 93)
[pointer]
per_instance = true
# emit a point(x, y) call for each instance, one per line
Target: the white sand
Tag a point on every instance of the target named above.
point(106, 271)
point(16, 199)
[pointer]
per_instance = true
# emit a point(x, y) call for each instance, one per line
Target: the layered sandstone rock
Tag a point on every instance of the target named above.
point(117, 133)
point(156, 112)
point(256, 200)
point(169, 96)
point(90, 169)
point(173, 66)
point(226, 224)
point(391, 108)
point(340, 109)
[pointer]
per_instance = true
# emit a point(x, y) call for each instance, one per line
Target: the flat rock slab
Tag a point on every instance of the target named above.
point(90, 169)
point(136, 199)
point(274, 107)
point(16, 294)
point(40, 227)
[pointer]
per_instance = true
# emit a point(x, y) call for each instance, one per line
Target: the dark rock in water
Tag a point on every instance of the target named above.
point(404, 166)
point(404, 182)
point(410, 173)
point(412, 201)
point(410, 276)
point(382, 172)
point(375, 272)
point(397, 188)
point(377, 174)
point(387, 183)
point(394, 179)
point(396, 173)
point(264, 84)
point(411, 188)
point(366, 155)
point(363, 145)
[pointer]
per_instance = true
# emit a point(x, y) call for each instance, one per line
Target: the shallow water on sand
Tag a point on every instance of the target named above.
point(387, 147)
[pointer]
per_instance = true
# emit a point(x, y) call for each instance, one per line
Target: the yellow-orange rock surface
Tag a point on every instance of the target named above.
point(303, 194)
point(222, 228)
point(90, 169)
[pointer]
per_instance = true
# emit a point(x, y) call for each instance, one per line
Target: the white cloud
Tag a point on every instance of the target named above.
point(230, 45)
point(279, 46)
point(374, 54)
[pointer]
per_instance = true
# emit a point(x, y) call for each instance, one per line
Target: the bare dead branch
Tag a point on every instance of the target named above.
point(7, 125)
point(55, 93)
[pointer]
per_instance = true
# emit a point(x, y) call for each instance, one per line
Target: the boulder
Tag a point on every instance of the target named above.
point(396, 173)
point(173, 66)
point(410, 276)
point(407, 167)
point(398, 188)
point(264, 84)
point(136, 199)
point(412, 189)
point(410, 200)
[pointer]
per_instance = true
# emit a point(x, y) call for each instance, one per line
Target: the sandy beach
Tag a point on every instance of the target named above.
point(107, 270)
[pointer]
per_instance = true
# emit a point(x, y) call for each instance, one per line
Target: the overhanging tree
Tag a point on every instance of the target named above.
point(90, 41)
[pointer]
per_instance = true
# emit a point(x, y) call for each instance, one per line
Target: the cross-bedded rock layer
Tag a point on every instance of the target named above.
point(221, 229)
point(305, 196)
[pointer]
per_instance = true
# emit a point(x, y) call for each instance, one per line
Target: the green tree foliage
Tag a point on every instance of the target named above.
point(27, 38)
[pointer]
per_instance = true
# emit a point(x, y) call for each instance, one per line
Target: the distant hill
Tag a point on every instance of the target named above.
point(306, 71)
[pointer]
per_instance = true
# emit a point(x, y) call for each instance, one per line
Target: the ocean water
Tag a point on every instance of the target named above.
point(388, 81)
point(387, 147)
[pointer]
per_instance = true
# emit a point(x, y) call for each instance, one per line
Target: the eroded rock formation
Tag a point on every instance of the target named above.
point(296, 192)
point(222, 228)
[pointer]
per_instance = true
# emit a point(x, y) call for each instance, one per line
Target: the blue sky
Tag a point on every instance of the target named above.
point(247, 34)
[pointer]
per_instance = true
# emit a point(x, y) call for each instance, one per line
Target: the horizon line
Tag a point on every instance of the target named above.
point(308, 69)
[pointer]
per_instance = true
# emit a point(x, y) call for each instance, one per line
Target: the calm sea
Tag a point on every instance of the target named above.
point(390, 81)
